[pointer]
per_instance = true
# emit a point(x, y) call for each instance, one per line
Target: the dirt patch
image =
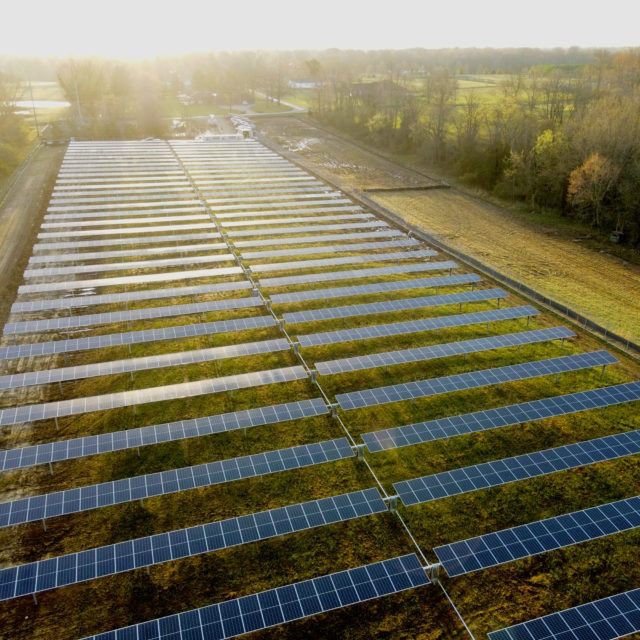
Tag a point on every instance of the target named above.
point(596, 285)
point(20, 216)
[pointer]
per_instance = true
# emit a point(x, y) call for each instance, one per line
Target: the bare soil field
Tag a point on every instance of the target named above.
point(597, 285)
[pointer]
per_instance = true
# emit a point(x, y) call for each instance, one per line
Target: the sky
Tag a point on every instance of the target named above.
point(142, 29)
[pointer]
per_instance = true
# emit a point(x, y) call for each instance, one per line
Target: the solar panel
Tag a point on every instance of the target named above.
point(123, 280)
point(420, 354)
point(112, 559)
point(131, 315)
point(414, 326)
point(310, 228)
point(333, 248)
point(324, 262)
point(266, 609)
point(90, 497)
point(118, 214)
point(389, 232)
point(295, 219)
point(217, 204)
point(390, 306)
point(167, 432)
point(118, 205)
point(378, 287)
point(288, 212)
point(126, 253)
point(89, 300)
point(523, 467)
point(443, 428)
point(158, 263)
point(409, 267)
point(87, 404)
point(472, 380)
point(107, 242)
point(531, 539)
point(606, 619)
point(143, 363)
point(135, 337)
point(115, 224)
point(125, 231)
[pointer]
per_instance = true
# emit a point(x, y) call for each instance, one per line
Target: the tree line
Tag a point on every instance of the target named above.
point(560, 132)
point(562, 137)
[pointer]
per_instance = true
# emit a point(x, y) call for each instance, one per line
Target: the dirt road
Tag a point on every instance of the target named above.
point(20, 216)
point(596, 285)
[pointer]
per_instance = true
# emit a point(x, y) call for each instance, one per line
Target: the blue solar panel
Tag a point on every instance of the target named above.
point(336, 237)
point(353, 274)
point(607, 619)
point(415, 326)
point(538, 537)
point(283, 604)
point(140, 240)
point(309, 228)
point(472, 380)
point(420, 354)
point(390, 306)
point(87, 404)
point(144, 363)
point(70, 285)
point(501, 417)
point(129, 296)
point(326, 262)
point(523, 467)
point(167, 432)
point(332, 248)
point(157, 263)
point(164, 482)
point(136, 337)
point(95, 563)
point(130, 315)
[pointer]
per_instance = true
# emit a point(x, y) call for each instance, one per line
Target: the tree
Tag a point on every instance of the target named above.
point(589, 186)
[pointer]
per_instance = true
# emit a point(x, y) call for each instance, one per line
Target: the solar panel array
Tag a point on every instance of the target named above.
point(145, 313)
point(606, 619)
point(51, 505)
point(528, 465)
point(60, 450)
point(390, 306)
point(420, 354)
point(283, 604)
point(409, 267)
point(137, 337)
point(88, 404)
point(379, 287)
point(130, 296)
point(414, 326)
point(144, 363)
point(95, 563)
point(538, 537)
point(443, 428)
point(139, 206)
point(472, 380)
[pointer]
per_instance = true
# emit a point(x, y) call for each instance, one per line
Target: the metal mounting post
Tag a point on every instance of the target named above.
point(360, 451)
point(393, 504)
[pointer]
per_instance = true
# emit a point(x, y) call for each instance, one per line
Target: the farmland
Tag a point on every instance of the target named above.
point(204, 378)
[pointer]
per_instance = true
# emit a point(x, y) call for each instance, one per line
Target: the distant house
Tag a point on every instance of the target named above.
point(304, 84)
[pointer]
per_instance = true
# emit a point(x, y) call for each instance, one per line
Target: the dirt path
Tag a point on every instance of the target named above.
point(20, 216)
point(596, 285)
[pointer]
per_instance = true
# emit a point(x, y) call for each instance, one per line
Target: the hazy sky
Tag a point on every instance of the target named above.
point(144, 28)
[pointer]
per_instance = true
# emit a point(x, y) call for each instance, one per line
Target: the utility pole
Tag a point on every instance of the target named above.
point(33, 106)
